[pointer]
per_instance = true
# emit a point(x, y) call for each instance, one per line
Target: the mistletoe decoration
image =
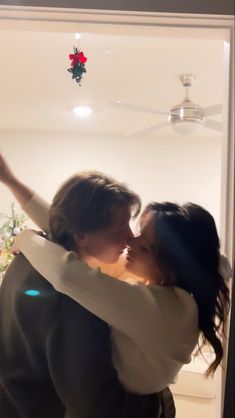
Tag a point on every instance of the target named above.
point(12, 225)
point(77, 68)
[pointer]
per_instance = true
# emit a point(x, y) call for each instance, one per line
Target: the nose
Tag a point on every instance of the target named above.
point(130, 235)
point(132, 241)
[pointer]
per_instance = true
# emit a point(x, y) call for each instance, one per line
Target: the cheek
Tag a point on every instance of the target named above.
point(106, 252)
point(138, 266)
point(101, 246)
point(140, 260)
point(145, 261)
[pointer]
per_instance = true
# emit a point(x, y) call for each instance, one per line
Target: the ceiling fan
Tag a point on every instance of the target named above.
point(184, 117)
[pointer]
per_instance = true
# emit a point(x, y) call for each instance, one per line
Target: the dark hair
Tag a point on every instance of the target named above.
point(84, 204)
point(187, 246)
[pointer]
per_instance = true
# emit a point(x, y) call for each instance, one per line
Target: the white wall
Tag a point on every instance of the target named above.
point(177, 169)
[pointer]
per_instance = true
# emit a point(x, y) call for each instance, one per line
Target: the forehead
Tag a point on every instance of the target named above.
point(146, 219)
point(147, 227)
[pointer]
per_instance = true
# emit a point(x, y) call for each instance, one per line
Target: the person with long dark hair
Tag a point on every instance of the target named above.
point(183, 294)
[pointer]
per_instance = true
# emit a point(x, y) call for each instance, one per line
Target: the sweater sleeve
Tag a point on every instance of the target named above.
point(124, 306)
point(38, 211)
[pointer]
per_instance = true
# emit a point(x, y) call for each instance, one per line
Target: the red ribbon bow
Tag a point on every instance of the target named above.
point(76, 58)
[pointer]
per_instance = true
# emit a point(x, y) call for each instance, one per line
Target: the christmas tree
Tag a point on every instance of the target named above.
point(12, 225)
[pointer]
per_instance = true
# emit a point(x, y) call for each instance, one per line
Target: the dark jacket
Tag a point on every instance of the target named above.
point(55, 356)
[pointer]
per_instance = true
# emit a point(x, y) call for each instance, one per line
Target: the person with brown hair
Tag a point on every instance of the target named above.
point(55, 356)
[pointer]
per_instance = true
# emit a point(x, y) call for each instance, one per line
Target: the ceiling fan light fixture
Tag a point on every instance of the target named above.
point(186, 127)
point(186, 117)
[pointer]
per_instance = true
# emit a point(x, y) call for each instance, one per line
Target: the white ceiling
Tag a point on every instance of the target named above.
point(37, 92)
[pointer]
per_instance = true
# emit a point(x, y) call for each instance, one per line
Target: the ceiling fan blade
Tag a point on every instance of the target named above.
point(213, 124)
point(213, 110)
point(140, 108)
point(149, 130)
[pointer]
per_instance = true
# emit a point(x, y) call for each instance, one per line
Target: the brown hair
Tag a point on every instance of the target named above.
point(187, 245)
point(83, 204)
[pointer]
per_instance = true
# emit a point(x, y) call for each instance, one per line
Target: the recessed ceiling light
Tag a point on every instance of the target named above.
point(78, 35)
point(82, 111)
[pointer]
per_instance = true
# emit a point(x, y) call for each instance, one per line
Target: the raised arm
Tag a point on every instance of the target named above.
point(35, 207)
point(128, 308)
point(21, 192)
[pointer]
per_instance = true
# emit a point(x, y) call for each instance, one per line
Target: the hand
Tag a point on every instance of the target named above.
point(6, 175)
point(14, 248)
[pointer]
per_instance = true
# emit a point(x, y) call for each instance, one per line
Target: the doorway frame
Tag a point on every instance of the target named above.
point(68, 20)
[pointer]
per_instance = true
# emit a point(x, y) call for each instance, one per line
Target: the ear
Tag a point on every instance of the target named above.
point(80, 239)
